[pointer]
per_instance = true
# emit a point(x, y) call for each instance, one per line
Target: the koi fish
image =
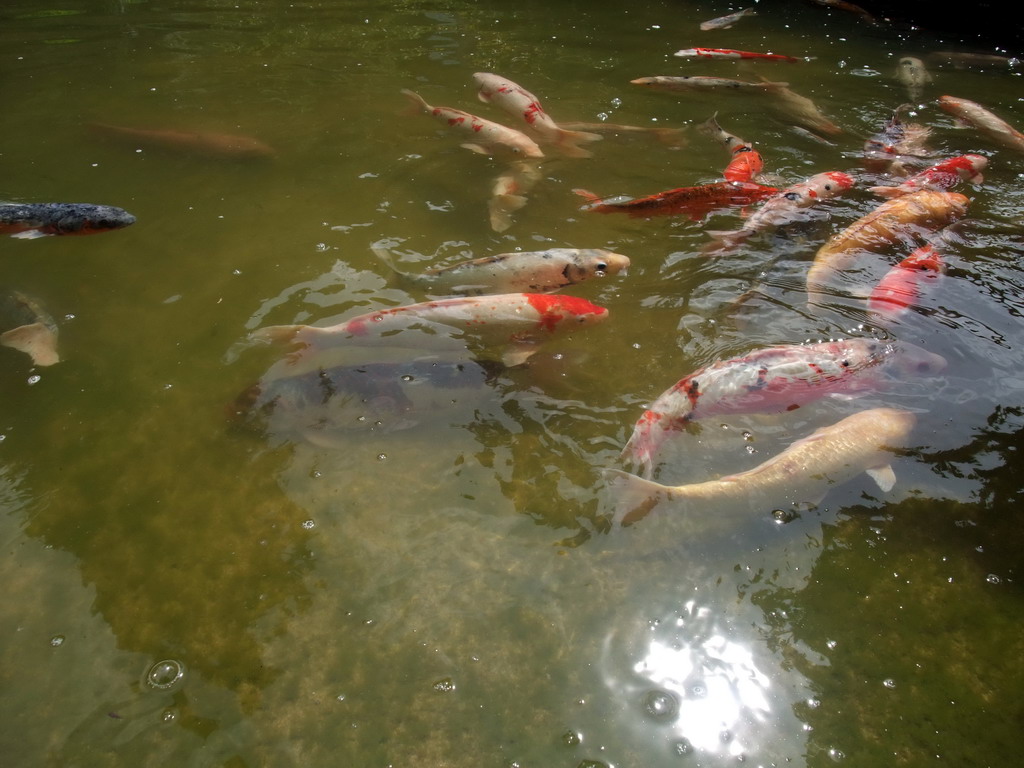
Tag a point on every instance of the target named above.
point(901, 286)
point(518, 320)
point(529, 271)
point(890, 222)
point(844, 5)
point(995, 128)
point(803, 472)
point(27, 327)
point(697, 83)
point(670, 137)
point(519, 102)
point(220, 146)
point(770, 380)
point(488, 138)
point(964, 60)
point(783, 207)
point(940, 176)
point(696, 202)
point(729, 53)
point(897, 146)
point(913, 75)
point(793, 107)
point(31, 220)
point(509, 191)
point(746, 161)
point(727, 21)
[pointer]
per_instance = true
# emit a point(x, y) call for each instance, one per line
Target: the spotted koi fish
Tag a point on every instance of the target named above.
point(940, 176)
point(32, 220)
point(488, 138)
point(898, 146)
point(729, 53)
point(519, 102)
point(770, 380)
point(518, 321)
point(901, 286)
point(696, 202)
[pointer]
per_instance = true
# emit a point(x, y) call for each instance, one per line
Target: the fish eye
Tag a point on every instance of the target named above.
point(601, 266)
point(828, 187)
point(791, 196)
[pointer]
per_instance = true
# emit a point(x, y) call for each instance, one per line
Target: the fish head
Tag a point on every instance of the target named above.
point(910, 359)
point(596, 263)
point(82, 219)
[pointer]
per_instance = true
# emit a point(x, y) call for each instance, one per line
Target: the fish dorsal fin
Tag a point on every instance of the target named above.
point(884, 476)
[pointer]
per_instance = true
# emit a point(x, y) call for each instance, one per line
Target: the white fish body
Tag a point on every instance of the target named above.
point(803, 472)
point(986, 122)
point(914, 76)
point(801, 110)
point(727, 21)
point(508, 193)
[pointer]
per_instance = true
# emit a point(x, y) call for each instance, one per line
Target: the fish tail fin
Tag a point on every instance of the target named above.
point(723, 241)
point(592, 199)
point(500, 208)
point(631, 498)
point(417, 103)
point(568, 142)
point(35, 340)
point(385, 256)
point(278, 334)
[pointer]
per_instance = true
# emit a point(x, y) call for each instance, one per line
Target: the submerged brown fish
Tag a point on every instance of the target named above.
point(27, 327)
point(804, 472)
point(986, 123)
point(699, 84)
point(221, 146)
point(898, 147)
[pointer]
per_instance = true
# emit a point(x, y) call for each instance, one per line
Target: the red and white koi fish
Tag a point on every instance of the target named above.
point(988, 124)
point(487, 138)
point(727, 21)
point(519, 102)
point(698, 83)
point(522, 320)
point(940, 176)
point(771, 380)
point(804, 472)
point(901, 218)
point(783, 207)
point(898, 146)
point(745, 162)
point(31, 220)
point(696, 202)
point(729, 53)
point(220, 146)
point(901, 286)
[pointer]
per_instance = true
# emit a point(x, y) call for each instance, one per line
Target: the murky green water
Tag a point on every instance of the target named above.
point(446, 592)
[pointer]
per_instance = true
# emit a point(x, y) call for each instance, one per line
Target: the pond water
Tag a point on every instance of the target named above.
point(200, 574)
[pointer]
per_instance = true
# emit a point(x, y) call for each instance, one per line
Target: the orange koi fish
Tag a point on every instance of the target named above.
point(729, 53)
point(696, 202)
point(901, 286)
point(940, 176)
point(220, 146)
point(988, 124)
point(746, 161)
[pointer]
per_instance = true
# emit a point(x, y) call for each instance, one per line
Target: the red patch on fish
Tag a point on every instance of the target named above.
point(554, 309)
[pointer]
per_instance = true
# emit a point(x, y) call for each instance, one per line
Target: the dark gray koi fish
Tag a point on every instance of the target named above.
point(31, 220)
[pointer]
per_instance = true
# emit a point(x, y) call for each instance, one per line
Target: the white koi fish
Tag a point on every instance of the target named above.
point(519, 321)
point(698, 83)
point(988, 124)
point(487, 138)
point(784, 207)
point(914, 76)
point(770, 380)
point(793, 107)
point(519, 102)
point(803, 472)
point(727, 21)
point(528, 271)
point(940, 176)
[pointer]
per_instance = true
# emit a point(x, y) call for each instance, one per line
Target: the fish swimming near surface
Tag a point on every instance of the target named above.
point(793, 107)
point(901, 218)
point(969, 60)
point(771, 380)
point(695, 202)
point(985, 122)
point(901, 287)
point(914, 76)
point(486, 137)
point(509, 190)
point(527, 271)
point(727, 21)
point(845, 5)
point(516, 322)
point(670, 137)
point(729, 53)
point(519, 102)
point(32, 220)
point(898, 147)
point(804, 472)
point(27, 327)
point(331, 407)
point(941, 176)
point(220, 146)
point(784, 207)
point(745, 162)
point(703, 84)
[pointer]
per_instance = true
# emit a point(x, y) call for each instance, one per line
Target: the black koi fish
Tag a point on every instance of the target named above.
point(31, 220)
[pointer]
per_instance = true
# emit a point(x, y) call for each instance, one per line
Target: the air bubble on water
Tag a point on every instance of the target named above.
point(889, 682)
point(572, 738)
point(340, 697)
point(602, 116)
point(683, 747)
point(699, 691)
point(993, 579)
point(57, 640)
point(616, 102)
point(34, 379)
point(836, 754)
point(169, 715)
point(830, 644)
point(813, 703)
point(407, 377)
point(381, 456)
point(444, 685)
point(322, 247)
point(750, 449)
point(783, 516)
point(660, 705)
point(165, 674)
point(308, 525)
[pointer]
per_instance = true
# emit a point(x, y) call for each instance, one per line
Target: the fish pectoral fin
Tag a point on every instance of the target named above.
point(475, 148)
point(518, 353)
point(35, 340)
point(30, 234)
point(883, 476)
